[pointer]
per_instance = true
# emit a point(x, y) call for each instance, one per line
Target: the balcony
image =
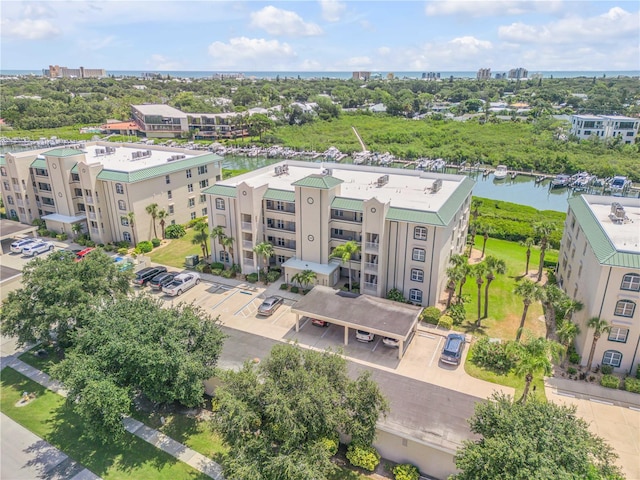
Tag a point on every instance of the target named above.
point(16, 188)
point(346, 218)
point(287, 246)
point(370, 267)
point(92, 215)
point(95, 231)
point(282, 228)
point(346, 237)
point(20, 203)
point(246, 226)
point(247, 244)
point(370, 287)
point(372, 246)
point(287, 209)
point(88, 199)
point(248, 262)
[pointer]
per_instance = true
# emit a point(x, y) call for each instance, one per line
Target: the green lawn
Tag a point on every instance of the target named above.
point(41, 363)
point(49, 417)
point(505, 308)
point(174, 252)
point(67, 133)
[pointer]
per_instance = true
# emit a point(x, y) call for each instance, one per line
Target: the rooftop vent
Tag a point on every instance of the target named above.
point(617, 214)
point(437, 185)
point(105, 151)
point(176, 157)
point(139, 155)
point(383, 180)
point(279, 171)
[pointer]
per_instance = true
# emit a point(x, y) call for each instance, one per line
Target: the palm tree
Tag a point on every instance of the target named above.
point(455, 274)
point(555, 301)
point(600, 326)
point(346, 252)
point(479, 270)
point(529, 291)
point(131, 218)
point(567, 333)
point(465, 271)
point(227, 244)
point(217, 233)
point(201, 238)
point(529, 242)
point(485, 237)
point(304, 278)
point(152, 210)
point(494, 265)
point(161, 215)
point(476, 203)
point(263, 250)
point(543, 232)
point(77, 228)
point(534, 356)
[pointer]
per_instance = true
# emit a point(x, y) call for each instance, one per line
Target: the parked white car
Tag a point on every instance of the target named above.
point(37, 247)
point(18, 245)
point(181, 283)
point(363, 336)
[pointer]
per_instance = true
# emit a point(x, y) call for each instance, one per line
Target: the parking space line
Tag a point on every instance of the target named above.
point(435, 351)
point(304, 323)
point(326, 331)
point(283, 311)
point(376, 345)
point(223, 300)
point(245, 305)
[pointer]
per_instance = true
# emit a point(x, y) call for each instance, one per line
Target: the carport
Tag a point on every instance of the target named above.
point(364, 312)
point(11, 229)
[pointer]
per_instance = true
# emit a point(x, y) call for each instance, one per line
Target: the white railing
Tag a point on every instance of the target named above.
point(371, 266)
point(372, 246)
point(92, 215)
point(246, 225)
point(370, 286)
point(247, 244)
point(95, 230)
point(88, 199)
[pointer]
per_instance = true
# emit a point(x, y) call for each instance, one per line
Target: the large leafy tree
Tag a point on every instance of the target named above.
point(59, 295)
point(276, 416)
point(135, 346)
point(346, 252)
point(536, 439)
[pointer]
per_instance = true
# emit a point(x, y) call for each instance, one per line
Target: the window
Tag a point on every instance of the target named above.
point(124, 221)
point(625, 308)
point(204, 212)
point(415, 295)
point(417, 275)
point(220, 204)
point(280, 224)
point(188, 172)
point(122, 205)
point(339, 213)
point(190, 188)
point(224, 256)
point(631, 281)
point(338, 231)
point(127, 237)
point(280, 259)
point(119, 188)
point(169, 194)
point(78, 192)
point(204, 183)
point(167, 179)
point(418, 255)
point(10, 200)
point(202, 170)
point(75, 177)
point(618, 334)
point(191, 203)
point(193, 215)
point(3, 171)
point(611, 357)
point(41, 172)
point(420, 233)
point(171, 209)
point(203, 198)
point(7, 186)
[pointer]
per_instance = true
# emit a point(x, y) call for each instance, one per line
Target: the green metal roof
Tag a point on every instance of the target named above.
point(341, 203)
point(602, 246)
point(63, 152)
point(324, 182)
point(2, 160)
point(279, 195)
point(441, 217)
point(74, 169)
point(39, 163)
point(157, 170)
point(221, 190)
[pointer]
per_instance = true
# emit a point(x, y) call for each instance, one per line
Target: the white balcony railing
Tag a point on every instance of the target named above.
point(88, 199)
point(92, 215)
point(247, 244)
point(246, 225)
point(20, 203)
point(370, 286)
point(95, 231)
point(372, 246)
point(372, 267)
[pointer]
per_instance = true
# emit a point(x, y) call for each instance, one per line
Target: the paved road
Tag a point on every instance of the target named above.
point(428, 412)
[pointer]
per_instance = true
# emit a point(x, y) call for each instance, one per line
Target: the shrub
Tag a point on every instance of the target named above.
point(43, 232)
point(175, 231)
point(252, 277)
point(362, 456)
point(272, 276)
point(632, 385)
point(123, 244)
point(395, 295)
point(228, 274)
point(294, 289)
point(191, 223)
point(574, 357)
point(406, 471)
point(217, 266)
point(331, 444)
point(610, 381)
point(216, 271)
point(90, 243)
point(457, 312)
point(571, 371)
point(445, 322)
point(492, 355)
point(430, 315)
point(284, 286)
point(638, 372)
point(606, 369)
point(156, 242)
point(144, 247)
point(123, 251)
point(109, 247)
point(61, 237)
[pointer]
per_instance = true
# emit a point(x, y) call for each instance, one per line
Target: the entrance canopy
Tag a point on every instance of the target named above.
point(326, 273)
point(364, 312)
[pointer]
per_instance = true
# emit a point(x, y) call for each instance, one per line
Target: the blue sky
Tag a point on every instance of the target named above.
point(324, 35)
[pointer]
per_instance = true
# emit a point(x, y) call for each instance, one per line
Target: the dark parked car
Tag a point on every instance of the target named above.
point(162, 279)
point(146, 274)
point(453, 348)
point(270, 305)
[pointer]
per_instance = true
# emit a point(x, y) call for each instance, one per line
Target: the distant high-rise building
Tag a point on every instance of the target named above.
point(363, 76)
point(518, 73)
point(56, 71)
point(484, 74)
point(431, 76)
point(500, 76)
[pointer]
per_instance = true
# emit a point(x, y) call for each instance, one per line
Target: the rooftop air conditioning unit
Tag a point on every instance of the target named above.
point(383, 180)
point(437, 185)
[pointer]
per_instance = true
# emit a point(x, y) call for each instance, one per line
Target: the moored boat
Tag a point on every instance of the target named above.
point(560, 181)
point(501, 172)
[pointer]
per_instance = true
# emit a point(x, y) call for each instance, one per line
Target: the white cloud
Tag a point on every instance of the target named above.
point(27, 29)
point(483, 8)
point(276, 21)
point(332, 10)
point(357, 63)
point(608, 27)
point(384, 51)
point(160, 62)
point(38, 11)
point(251, 53)
point(97, 43)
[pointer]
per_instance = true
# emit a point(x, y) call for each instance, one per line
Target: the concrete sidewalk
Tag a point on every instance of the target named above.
point(154, 437)
point(25, 456)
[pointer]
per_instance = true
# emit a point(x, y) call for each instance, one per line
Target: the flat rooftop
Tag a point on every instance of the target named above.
point(160, 109)
point(122, 159)
point(405, 188)
point(625, 234)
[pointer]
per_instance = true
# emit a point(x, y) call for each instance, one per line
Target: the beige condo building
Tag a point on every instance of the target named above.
point(98, 184)
point(407, 223)
point(599, 265)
